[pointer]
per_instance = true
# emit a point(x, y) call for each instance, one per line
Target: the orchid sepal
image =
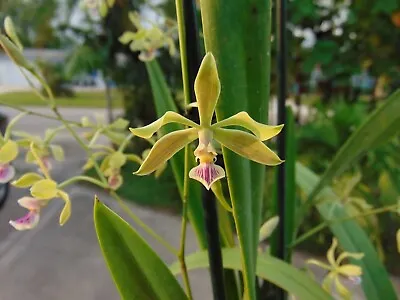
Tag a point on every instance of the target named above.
point(262, 131)
point(148, 131)
point(207, 88)
point(165, 148)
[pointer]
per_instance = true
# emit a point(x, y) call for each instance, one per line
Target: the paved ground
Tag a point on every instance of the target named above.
point(65, 263)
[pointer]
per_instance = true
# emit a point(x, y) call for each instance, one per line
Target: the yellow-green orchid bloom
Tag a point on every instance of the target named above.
point(207, 89)
point(8, 152)
point(336, 270)
point(42, 192)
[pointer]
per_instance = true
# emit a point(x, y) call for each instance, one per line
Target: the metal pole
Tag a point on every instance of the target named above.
point(281, 17)
point(209, 203)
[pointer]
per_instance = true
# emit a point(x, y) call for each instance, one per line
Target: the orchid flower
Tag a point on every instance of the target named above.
point(42, 192)
point(8, 152)
point(336, 270)
point(207, 89)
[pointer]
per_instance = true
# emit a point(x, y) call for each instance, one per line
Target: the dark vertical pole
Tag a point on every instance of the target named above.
point(281, 17)
point(210, 208)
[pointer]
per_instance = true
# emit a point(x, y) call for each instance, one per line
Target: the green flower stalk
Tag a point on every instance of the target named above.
point(207, 89)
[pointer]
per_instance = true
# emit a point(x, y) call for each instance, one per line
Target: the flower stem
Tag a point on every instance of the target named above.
point(325, 224)
point(82, 178)
point(181, 254)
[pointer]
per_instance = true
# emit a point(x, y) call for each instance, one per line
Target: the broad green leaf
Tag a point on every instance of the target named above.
point(269, 268)
point(242, 51)
point(381, 125)
point(27, 180)
point(375, 280)
point(44, 189)
point(163, 102)
point(136, 269)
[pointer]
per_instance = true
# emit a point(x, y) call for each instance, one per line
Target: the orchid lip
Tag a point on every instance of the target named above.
point(29, 221)
point(7, 173)
point(207, 174)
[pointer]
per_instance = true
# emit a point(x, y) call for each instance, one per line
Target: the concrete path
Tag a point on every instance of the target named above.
point(53, 262)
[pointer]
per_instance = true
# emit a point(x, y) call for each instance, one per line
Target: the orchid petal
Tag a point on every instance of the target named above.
point(345, 255)
point(330, 255)
point(44, 189)
point(207, 174)
point(327, 282)
point(7, 172)
point(147, 132)
point(115, 181)
point(342, 290)
point(165, 148)
point(262, 131)
point(66, 212)
point(319, 264)
point(207, 88)
point(27, 180)
point(350, 270)
point(247, 145)
point(398, 240)
point(29, 221)
point(8, 152)
point(29, 203)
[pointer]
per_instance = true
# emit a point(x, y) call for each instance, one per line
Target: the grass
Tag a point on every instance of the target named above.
point(82, 99)
point(160, 193)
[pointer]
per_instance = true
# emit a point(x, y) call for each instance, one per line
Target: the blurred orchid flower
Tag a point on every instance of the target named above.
point(42, 191)
point(8, 152)
point(207, 89)
point(336, 270)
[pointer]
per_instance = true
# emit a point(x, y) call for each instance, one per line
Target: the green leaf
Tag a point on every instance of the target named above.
point(136, 269)
point(381, 125)
point(163, 102)
point(375, 280)
point(10, 30)
point(269, 268)
point(242, 50)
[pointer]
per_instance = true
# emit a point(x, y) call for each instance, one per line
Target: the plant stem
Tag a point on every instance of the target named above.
point(182, 49)
point(325, 224)
point(214, 245)
point(32, 113)
point(82, 178)
point(181, 255)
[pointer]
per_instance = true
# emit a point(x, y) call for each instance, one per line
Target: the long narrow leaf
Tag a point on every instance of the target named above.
point(163, 102)
point(378, 128)
point(226, 39)
point(269, 268)
point(352, 237)
point(136, 269)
